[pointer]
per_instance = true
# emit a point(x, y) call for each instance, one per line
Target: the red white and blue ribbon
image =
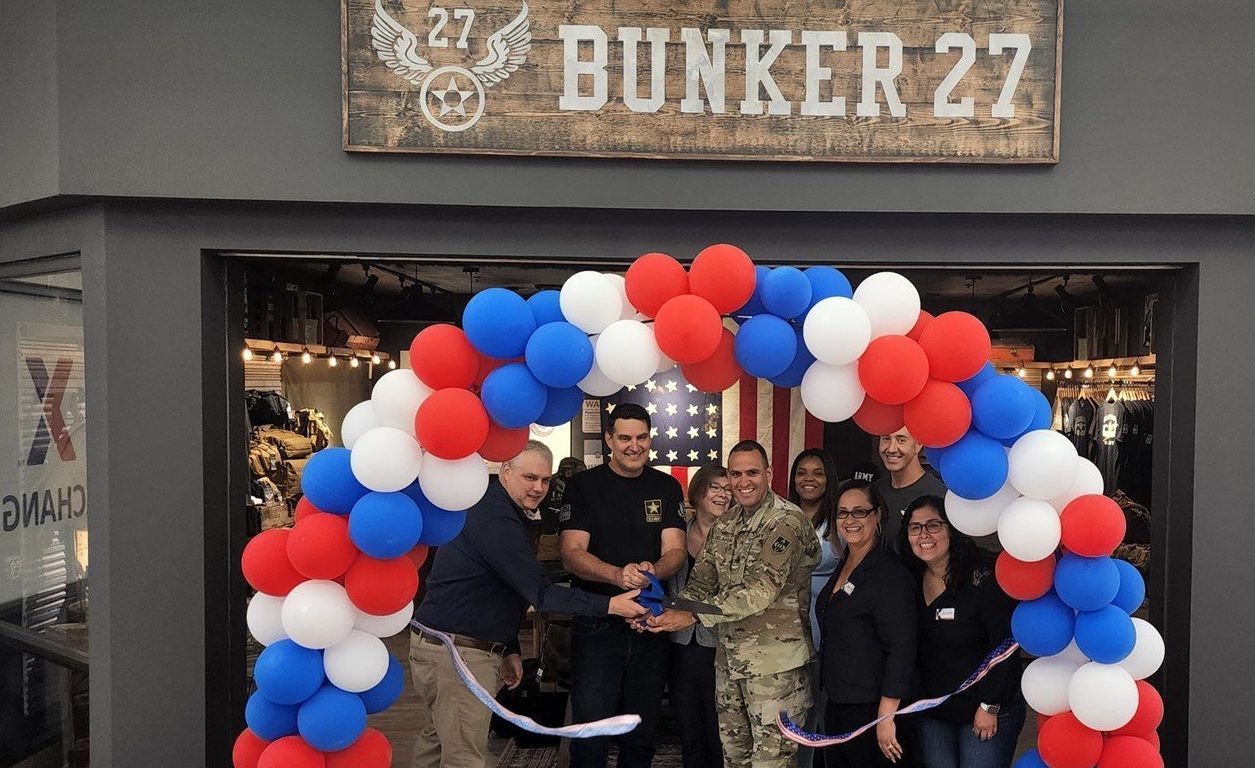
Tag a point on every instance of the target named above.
point(610, 726)
point(794, 732)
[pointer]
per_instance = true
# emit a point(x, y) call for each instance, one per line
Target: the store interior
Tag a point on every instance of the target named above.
point(318, 330)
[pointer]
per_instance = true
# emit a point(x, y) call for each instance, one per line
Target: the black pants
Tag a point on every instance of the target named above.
point(616, 671)
point(693, 699)
point(864, 751)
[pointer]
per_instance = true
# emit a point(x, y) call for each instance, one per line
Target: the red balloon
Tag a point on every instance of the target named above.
point(266, 565)
point(939, 415)
point(291, 752)
point(653, 280)
point(876, 418)
point(381, 587)
point(1064, 743)
point(1129, 752)
point(248, 748)
point(957, 345)
point(418, 555)
point(371, 750)
point(925, 318)
point(1149, 712)
point(305, 508)
point(893, 369)
point(451, 424)
point(1093, 525)
point(717, 372)
point(1152, 738)
point(688, 329)
point(319, 546)
point(486, 366)
point(503, 444)
point(442, 357)
point(1024, 580)
point(724, 276)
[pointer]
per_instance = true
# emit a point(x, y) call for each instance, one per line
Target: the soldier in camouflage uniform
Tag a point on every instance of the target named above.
point(756, 568)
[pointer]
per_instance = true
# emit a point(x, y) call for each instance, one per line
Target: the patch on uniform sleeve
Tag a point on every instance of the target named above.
point(564, 513)
point(780, 544)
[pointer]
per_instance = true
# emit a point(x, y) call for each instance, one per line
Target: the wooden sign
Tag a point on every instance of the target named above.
point(966, 81)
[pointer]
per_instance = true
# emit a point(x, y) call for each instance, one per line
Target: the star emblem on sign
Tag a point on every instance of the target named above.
point(452, 98)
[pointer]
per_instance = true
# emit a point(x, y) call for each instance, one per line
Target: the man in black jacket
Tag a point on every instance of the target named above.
point(479, 587)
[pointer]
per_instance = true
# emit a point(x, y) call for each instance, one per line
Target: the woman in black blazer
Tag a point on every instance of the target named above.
point(867, 634)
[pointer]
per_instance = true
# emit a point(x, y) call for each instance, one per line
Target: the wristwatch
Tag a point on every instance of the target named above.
point(992, 709)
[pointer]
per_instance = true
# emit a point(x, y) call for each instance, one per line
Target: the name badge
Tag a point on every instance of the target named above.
point(848, 588)
point(945, 614)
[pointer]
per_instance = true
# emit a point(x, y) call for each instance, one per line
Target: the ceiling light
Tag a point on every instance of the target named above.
point(1135, 371)
point(1022, 373)
point(1067, 373)
point(1089, 373)
point(374, 359)
point(332, 361)
point(247, 354)
point(1112, 372)
point(306, 356)
point(353, 362)
point(1050, 375)
point(277, 357)
point(392, 365)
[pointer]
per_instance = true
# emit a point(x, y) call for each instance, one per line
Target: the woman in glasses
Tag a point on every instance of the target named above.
point(867, 634)
point(963, 615)
point(693, 651)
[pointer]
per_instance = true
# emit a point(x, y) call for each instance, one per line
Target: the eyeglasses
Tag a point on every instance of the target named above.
point(715, 490)
point(932, 526)
point(857, 514)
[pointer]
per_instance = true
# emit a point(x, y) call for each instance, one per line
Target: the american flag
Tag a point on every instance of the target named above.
point(692, 428)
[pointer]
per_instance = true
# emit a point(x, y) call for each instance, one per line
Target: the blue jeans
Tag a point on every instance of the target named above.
point(943, 744)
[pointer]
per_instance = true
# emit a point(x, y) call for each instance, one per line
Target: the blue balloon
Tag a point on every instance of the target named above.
point(269, 720)
point(1132, 588)
point(1106, 635)
point(802, 360)
point(1030, 759)
point(440, 526)
point(1086, 583)
point(287, 673)
point(498, 323)
point(1044, 626)
point(934, 457)
point(765, 346)
point(755, 304)
point(329, 482)
point(1002, 407)
point(975, 467)
point(559, 355)
point(513, 397)
point(1042, 416)
point(561, 406)
point(786, 292)
point(331, 719)
point(969, 386)
point(387, 691)
point(827, 282)
point(546, 307)
point(385, 525)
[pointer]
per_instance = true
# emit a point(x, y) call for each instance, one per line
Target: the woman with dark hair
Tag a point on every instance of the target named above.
point(692, 679)
point(962, 615)
point(813, 487)
point(867, 634)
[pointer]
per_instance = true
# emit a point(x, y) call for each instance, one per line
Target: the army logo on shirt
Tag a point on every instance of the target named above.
point(653, 511)
point(780, 544)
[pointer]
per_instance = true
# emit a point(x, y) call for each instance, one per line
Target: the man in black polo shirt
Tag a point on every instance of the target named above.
point(479, 587)
point(619, 520)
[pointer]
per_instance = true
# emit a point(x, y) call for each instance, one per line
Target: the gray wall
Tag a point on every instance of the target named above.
point(242, 101)
point(28, 102)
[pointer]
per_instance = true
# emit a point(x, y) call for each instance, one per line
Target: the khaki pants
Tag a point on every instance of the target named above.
point(747, 709)
point(452, 723)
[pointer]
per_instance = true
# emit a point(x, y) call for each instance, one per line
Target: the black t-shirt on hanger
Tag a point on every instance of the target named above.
point(1078, 425)
point(1105, 430)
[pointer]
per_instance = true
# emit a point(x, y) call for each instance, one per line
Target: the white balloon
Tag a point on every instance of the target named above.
point(832, 392)
point(265, 618)
point(1029, 529)
point(1045, 683)
point(1088, 481)
point(979, 517)
point(627, 353)
point(1043, 464)
point(318, 614)
point(1148, 651)
point(358, 421)
point(620, 284)
point(664, 363)
point(396, 398)
point(357, 663)
point(1074, 652)
point(590, 301)
point(891, 302)
point(1102, 696)
point(837, 330)
point(453, 485)
point(384, 626)
point(597, 385)
point(386, 459)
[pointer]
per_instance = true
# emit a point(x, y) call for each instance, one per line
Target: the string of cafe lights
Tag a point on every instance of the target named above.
point(353, 358)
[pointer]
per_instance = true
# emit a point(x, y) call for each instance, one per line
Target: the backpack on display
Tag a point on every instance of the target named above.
point(291, 483)
point(267, 407)
point(264, 458)
point(293, 445)
point(312, 423)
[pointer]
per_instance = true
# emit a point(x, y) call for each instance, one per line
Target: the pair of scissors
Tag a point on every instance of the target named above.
point(656, 600)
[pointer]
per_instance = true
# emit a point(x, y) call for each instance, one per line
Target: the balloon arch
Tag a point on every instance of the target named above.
point(416, 454)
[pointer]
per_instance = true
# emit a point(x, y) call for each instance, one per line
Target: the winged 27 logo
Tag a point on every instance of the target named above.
point(451, 97)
